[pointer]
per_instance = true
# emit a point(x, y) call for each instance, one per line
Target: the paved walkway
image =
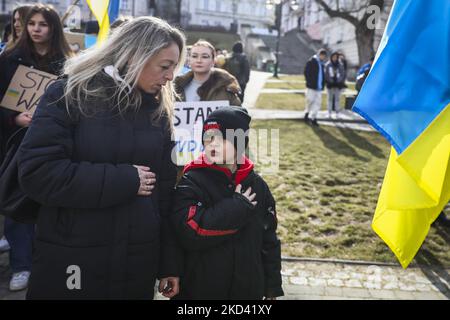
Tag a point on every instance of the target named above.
point(346, 119)
point(299, 91)
point(254, 86)
point(319, 280)
point(305, 279)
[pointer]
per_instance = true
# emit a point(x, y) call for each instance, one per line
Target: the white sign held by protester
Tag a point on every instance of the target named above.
point(188, 122)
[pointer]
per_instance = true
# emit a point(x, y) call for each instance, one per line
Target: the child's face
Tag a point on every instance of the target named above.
point(217, 149)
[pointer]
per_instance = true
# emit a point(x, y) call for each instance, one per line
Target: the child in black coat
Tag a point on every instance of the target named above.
point(224, 217)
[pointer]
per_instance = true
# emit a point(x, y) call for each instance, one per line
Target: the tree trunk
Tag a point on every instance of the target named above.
point(365, 41)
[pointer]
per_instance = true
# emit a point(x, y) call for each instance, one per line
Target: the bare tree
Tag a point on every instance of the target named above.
point(357, 13)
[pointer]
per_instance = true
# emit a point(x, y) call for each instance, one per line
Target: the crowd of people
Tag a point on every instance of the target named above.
point(97, 160)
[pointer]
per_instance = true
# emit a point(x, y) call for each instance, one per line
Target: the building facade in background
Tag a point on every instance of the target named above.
point(127, 7)
point(334, 33)
point(229, 14)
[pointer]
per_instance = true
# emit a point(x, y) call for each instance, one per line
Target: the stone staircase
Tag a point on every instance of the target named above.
point(296, 47)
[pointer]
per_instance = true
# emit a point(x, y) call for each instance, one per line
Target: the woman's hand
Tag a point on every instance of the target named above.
point(169, 287)
point(248, 194)
point(148, 180)
point(23, 119)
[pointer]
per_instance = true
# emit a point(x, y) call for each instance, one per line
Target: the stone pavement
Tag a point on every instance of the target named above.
point(5, 275)
point(306, 279)
point(315, 279)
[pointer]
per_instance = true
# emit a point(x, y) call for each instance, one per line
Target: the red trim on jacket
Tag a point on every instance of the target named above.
point(209, 126)
point(204, 232)
point(242, 173)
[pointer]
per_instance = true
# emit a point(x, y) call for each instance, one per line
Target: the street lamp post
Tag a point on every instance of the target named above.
point(278, 11)
point(278, 17)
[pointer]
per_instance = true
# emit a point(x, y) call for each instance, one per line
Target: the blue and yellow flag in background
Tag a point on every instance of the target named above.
point(106, 12)
point(407, 98)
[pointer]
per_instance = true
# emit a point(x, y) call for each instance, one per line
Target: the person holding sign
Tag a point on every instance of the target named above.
point(98, 158)
point(204, 82)
point(224, 216)
point(9, 38)
point(17, 25)
point(40, 44)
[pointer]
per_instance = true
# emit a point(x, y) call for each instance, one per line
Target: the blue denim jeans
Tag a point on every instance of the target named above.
point(20, 237)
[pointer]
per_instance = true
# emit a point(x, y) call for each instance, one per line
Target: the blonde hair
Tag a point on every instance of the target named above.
point(128, 49)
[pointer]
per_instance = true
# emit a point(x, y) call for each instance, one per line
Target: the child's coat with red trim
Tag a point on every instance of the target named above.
point(231, 248)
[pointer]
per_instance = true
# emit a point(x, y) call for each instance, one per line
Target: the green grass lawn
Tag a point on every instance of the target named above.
point(217, 39)
point(327, 189)
point(281, 101)
point(288, 101)
point(288, 78)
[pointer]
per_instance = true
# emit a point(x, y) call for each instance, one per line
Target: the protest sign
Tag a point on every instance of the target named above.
point(76, 41)
point(26, 89)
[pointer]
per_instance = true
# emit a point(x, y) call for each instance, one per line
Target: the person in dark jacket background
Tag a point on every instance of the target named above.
point(98, 158)
point(239, 67)
point(8, 68)
point(225, 218)
point(42, 46)
point(335, 80)
point(315, 83)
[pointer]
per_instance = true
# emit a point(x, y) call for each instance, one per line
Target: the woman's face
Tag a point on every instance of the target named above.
point(159, 69)
point(201, 59)
point(217, 149)
point(38, 29)
point(17, 24)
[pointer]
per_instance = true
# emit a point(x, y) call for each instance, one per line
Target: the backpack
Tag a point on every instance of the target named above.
point(14, 203)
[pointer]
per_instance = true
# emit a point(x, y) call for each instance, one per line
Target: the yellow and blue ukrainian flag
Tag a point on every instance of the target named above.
point(106, 12)
point(406, 97)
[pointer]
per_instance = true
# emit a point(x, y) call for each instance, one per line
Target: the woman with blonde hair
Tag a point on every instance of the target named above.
point(204, 82)
point(98, 158)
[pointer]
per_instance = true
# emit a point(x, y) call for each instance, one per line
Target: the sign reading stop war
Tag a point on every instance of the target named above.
point(188, 122)
point(26, 89)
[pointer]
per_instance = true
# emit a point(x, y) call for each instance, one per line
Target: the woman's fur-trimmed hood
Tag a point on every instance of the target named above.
point(218, 80)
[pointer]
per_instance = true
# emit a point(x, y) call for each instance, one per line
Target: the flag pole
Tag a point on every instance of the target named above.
point(69, 10)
